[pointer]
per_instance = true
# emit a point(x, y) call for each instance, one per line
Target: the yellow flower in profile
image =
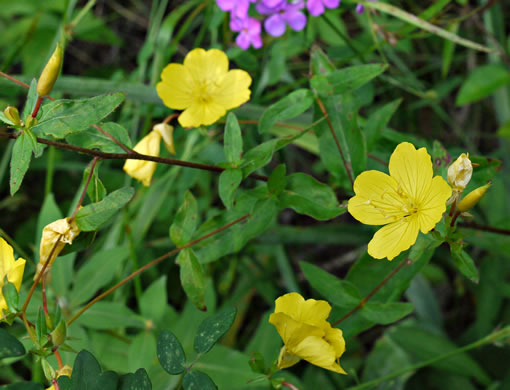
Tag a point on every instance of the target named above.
point(407, 201)
point(306, 333)
point(471, 199)
point(203, 87)
point(10, 269)
point(61, 232)
point(150, 145)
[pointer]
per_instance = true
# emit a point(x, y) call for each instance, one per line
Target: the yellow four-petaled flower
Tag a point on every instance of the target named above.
point(10, 269)
point(306, 333)
point(407, 201)
point(203, 87)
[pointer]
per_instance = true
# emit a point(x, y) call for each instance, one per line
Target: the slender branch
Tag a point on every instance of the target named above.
point(289, 385)
point(347, 165)
point(374, 291)
point(59, 359)
point(15, 81)
point(375, 158)
point(37, 106)
point(126, 156)
point(454, 219)
point(170, 117)
point(82, 196)
point(473, 225)
point(40, 275)
point(153, 263)
point(55, 384)
point(122, 146)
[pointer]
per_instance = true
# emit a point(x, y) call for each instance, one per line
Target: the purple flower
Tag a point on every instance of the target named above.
point(249, 32)
point(316, 7)
point(282, 13)
point(360, 8)
point(238, 8)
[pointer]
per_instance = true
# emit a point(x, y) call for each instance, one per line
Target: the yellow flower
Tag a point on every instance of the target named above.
point(471, 199)
point(306, 333)
point(460, 172)
point(10, 268)
point(149, 145)
point(406, 201)
point(65, 229)
point(203, 87)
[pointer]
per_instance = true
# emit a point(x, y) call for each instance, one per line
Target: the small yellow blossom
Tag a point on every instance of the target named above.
point(306, 333)
point(203, 87)
point(407, 200)
point(471, 199)
point(150, 145)
point(10, 268)
point(63, 231)
point(460, 172)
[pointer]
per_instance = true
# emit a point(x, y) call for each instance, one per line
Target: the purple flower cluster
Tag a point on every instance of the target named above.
point(278, 15)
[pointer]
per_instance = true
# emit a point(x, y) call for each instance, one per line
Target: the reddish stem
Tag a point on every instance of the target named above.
point(55, 384)
point(37, 106)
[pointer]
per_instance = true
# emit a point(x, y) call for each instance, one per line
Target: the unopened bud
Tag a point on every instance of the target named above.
point(13, 115)
point(471, 199)
point(50, 72)
point(167, 133)
point(59, 334)
point(49, 371)
point(30, 122)
point(460, 172)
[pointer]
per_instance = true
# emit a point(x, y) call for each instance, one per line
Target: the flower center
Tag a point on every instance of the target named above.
point(393, 205)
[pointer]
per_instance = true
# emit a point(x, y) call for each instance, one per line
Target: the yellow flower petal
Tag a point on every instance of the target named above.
point(233, 89)
point(206, 65)
point(286, 358)
point(10, 268)
point(334, 336)
point(434, 204)
point(143, 170)
point(177, 86)
point(317, 351)
point(412, 169)
point(377, 201)
point(310, 312)
point(15, 275)
point(199, 114)
point(291, 331)
point(392, 239)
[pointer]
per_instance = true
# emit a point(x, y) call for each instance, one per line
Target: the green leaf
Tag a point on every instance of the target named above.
point(412, 19)
point(11, 297)
point(464, 263)
point(137, 381)
point(96, 189)
point(170, 353)
point(5, 120)
point(20, 161)
point(258, 156)
point(277, 181)
point(110, 315)
point(24, 386)
point(229, 181)
point(37, 148)
point(97, 272)
point(424, 345)
point(341, 81)
point(63, 117)
point(339, 292)
point(482, 82)
point(378, 121)
point(196, 380)
point(87, 374)
point(64, 383)
point(185, 221)
point(10, 346)
point(386, 313)
point(41, 329)
point(141, 351)
point(289, 107)
point(153, 302)
point(233, 140)
point(92, 216)
point(31, 99)
point(213, 328)
point(91, 138)
point(192, 278)
point(306, 195)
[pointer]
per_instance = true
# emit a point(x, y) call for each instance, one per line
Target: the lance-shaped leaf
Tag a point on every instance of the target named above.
point(63, 117)
point(233, 140)
point(92, 138)
point(213, 328)
point(464, 263)
point(92, 216)
point(192, 278)
point(386, 313)
point(185, 221)
point(229, 181)
point(20, 161)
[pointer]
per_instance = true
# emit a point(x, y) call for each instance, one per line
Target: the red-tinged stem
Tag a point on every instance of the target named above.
point(153, 263)
point(82, 196)
point(59, 359)
point(289, 385)
point(491, 229)
point(454, 219)
point(169, 118)
point(106, 134)
point(37, 106)
point(374, 291)
point(55, 384)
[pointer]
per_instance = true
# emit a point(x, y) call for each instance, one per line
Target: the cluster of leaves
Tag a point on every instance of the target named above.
point(355, 89)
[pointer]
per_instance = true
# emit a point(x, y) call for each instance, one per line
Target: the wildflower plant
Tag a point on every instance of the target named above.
point(168, 202)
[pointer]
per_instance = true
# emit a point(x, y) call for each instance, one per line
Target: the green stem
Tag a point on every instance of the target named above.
point(503, 333)
point(134, 258)
point(81, 14)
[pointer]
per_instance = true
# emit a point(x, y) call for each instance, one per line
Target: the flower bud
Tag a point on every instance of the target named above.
point(459, 173)
point(59, 334)
point(143, 170)
point(50, 72)
point(471, 199)
point(49, 371)
point(30, 122)
point(167, 132)
point(13, 115)
point(57, 234)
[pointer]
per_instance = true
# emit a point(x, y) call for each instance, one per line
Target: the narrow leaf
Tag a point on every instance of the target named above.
point(386, 313)
point(213, 328)
point(185, 221)
point(192, 278)
point(229, 181)
point(233, 140)
point(20, 161)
